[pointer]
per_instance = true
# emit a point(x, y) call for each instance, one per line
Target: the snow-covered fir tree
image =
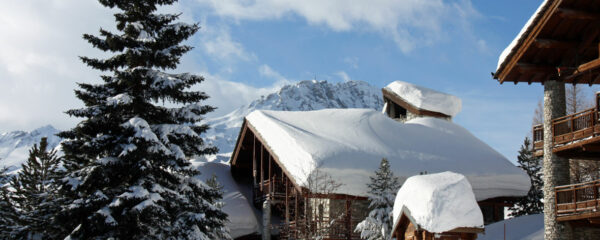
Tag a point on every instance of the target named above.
point(127, 161)
point(532, 203)
point(35, 193)
point(8, 216)
point(382, 193)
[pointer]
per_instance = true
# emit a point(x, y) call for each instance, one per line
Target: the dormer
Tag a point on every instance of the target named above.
point(405, 101)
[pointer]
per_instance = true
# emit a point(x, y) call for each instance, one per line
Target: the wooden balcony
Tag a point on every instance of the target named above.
point(274, 187)
point(578, 202)
point(574, 136)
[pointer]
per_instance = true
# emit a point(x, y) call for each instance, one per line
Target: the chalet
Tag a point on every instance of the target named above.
point(294, 161)
point(420, 211)
point(405, 101)
point(560, 45)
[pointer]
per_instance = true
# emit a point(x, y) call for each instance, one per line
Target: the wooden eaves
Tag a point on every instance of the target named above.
point(561, 43)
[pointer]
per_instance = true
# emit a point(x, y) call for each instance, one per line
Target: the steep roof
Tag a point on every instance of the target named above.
point(348, 144)
point(438, 203)
point(425, 99)
point(559, 42)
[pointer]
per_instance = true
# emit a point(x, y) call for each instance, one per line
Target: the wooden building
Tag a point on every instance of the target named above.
point(293, 160)
point(404, 101)
point(560, 45)
point(457, 214)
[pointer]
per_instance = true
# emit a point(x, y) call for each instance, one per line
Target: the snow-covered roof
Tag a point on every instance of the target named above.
point(242, 216)
point(512, 47)
point(425, 98)
point(348, 144)
point(438, 202)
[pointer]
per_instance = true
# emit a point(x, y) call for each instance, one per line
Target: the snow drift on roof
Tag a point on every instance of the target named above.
point(438, 202)
point(511, 47)
point(348, 144)
point(425, 98)
point(242, 217)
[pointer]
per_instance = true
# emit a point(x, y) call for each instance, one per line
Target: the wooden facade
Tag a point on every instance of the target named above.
point(406, 229)
point(573, 136)
point(562, 45)
point(303, 213)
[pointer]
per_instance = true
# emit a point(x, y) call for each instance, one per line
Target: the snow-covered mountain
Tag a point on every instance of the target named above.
point(14, 146)
point(302, 96)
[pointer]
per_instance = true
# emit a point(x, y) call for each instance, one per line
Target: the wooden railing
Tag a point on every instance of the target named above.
point(538, 137)
point(324, 228)
point(576, 199)
point(569, 128)
point(274, 187)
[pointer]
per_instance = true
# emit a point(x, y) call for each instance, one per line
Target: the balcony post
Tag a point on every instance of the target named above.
point(555, 169)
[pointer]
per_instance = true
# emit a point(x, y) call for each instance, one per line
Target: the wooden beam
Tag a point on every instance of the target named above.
point(589, 65)
point(529, 39)
point(536, 68)
point(577, 14)
point(238, 144)
point(552, 43)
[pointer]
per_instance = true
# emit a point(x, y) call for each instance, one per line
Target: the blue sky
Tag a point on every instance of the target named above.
point(249, 47)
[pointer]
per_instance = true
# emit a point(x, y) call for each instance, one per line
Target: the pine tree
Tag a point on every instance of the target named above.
point(532, 203)
point(382, 193)
point(35, 193)
point(127, 162)
point(8, 215)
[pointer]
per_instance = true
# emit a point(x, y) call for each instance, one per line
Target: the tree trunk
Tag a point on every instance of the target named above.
point(555, 169)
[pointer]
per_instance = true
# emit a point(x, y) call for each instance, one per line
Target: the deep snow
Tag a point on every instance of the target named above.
point(438, 202)
point(348, 144)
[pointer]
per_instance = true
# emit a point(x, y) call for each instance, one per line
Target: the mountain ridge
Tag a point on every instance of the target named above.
point(301, 96)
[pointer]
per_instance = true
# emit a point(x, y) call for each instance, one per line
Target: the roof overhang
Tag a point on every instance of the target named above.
point(561, 42)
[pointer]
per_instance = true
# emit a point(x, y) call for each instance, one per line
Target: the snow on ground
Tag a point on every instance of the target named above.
point(243, 217)
point(348, 144)
point(529, 227)
point(425, 98)
point(438, 202)
point(510, 48)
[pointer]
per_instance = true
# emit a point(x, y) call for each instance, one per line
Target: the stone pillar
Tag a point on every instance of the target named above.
point(555, 169)
point(266, 235)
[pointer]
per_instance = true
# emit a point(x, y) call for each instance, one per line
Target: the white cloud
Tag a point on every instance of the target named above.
point(344, 76)
point(39, 64)
point(217, 42)
point(406, 22)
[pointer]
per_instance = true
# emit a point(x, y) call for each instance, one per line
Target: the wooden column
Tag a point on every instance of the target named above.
point(287, 202)
point(262, 175)
point(555, 169)
point(254, 161)
point(296, 214)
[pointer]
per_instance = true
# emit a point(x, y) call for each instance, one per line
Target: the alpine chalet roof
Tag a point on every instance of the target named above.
point(423, 98)
point(560, 42)
point(348, 144)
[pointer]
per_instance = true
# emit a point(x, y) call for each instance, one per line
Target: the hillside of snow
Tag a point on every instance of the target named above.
point(302, 96)
point(529, 227)
point(14, 146)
